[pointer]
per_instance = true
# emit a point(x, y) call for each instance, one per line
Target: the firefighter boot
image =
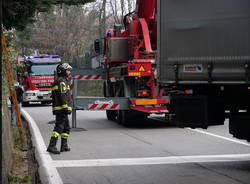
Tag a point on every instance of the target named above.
point(52, 146)
point(64, 145)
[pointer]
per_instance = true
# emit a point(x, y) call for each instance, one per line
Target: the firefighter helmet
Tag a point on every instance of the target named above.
point(61, 68)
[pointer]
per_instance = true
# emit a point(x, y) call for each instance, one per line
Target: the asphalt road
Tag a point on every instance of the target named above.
point(104, 152)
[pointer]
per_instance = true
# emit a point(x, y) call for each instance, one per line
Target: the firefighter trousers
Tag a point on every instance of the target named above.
point(62, 124)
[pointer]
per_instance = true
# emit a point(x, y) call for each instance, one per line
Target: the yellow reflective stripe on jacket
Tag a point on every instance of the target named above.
point(55, 88)
point(57, 108)
point(65, 135)
point(64, 106)
point(63, 86)
point(55, 134)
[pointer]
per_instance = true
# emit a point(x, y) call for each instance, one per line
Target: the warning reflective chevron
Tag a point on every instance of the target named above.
point(87, 77)
point(103, 106)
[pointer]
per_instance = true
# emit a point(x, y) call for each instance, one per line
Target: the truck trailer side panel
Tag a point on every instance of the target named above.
point(202, 41)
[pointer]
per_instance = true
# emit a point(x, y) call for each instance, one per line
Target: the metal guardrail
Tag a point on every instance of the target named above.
point(93, 103)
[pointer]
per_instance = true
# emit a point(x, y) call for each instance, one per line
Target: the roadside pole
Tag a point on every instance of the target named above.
point(74, 95)
point(1, 121)
point(8, 68)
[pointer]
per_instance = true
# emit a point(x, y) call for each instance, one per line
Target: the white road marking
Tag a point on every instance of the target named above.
point(218, 136)
point(151, 160)
point(48, 166)
point(48, 173)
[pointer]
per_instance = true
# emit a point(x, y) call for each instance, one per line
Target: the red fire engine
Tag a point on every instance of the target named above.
point(37, 77)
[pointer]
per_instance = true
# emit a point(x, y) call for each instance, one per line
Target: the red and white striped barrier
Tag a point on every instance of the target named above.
point(103, 106)
point(86, 77)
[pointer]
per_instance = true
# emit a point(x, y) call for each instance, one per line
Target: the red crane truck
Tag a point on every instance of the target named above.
point(37, 77)
point(131, 64)
point(188, 60)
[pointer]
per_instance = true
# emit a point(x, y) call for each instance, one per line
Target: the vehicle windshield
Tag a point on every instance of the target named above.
point(39, 70)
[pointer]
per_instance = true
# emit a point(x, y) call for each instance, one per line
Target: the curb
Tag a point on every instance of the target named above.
point(47, 172)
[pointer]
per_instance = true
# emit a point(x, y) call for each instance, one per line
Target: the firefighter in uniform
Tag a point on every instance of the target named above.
point(61, 108)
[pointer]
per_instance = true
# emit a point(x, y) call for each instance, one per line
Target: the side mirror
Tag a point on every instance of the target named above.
point(97, 46)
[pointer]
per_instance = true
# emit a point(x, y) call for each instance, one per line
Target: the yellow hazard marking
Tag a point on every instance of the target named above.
point(134, 74)
point(146, 102)
point(141, 69)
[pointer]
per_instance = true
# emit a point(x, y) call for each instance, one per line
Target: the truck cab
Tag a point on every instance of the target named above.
point(37, 77)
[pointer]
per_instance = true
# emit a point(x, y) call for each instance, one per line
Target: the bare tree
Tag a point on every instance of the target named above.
point(130, 5)
point(102, 19)
point(119, 8)
point(66, 31)
point(70, 30)
point(113, 6)
point(122, 7)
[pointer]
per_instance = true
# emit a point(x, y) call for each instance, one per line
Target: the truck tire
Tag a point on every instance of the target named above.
point(131, 117)
point(111, 115)
point(124, 117)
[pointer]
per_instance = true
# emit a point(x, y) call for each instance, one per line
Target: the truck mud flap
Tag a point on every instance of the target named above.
point(111, 115)
point(239, 125)
point(197, 111)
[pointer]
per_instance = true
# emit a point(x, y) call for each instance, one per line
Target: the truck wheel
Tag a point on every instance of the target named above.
point(124, 117)
point(111, 115)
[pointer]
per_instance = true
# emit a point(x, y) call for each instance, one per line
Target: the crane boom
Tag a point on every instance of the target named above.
point(146, 9)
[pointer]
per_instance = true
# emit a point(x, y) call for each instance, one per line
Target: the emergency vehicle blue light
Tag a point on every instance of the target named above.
point(43, 59)
point(50, 56)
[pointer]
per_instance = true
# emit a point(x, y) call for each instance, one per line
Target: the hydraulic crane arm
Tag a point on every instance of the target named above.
point(146, 9)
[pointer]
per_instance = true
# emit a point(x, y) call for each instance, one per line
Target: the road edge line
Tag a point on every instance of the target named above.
point(219, 136)
point(47, 172)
